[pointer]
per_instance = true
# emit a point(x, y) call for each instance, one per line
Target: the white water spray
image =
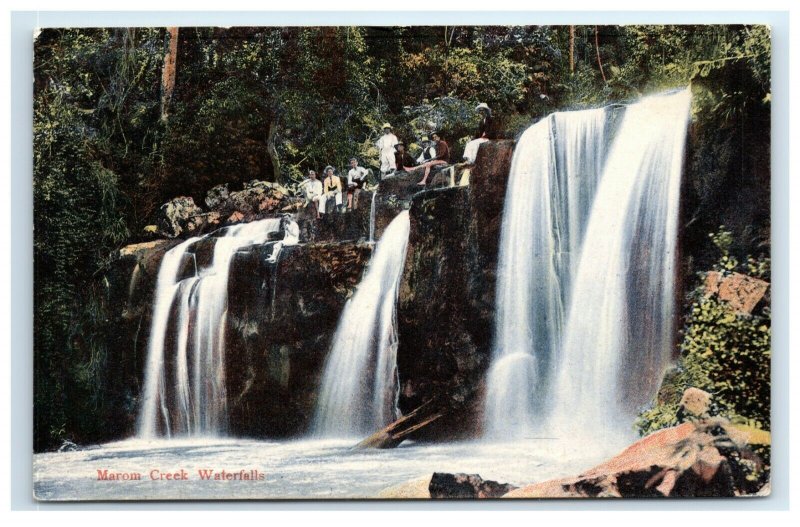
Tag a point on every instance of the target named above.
point(184, 387)
point(359, 384)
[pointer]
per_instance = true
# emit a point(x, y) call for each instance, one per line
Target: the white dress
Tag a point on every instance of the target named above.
point(471, 150)
point(386, 147)
point(291, 236)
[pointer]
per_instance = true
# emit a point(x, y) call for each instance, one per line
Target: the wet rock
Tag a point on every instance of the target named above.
point(68, 446)
point(175, 217)
point(281, 318)
point(705, 459)
point(445, 346)
point(465, 486)
point(741, 292)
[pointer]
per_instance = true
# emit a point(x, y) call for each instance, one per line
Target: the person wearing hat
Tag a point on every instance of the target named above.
point(385, 146)
point(331, 188)
point(291, 236)
point(428, 151)
point(442, 157)
point(402, 160)
point(311, 188)
point(483, 134)
point(356, 178)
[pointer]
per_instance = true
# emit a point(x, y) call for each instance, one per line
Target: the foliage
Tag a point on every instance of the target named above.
point(724, 353)
point(270, 103)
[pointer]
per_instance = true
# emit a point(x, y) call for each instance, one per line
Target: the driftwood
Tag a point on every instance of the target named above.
point(398, 431)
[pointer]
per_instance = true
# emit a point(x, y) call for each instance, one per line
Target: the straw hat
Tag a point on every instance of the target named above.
point(483, 106)
point(386, 125)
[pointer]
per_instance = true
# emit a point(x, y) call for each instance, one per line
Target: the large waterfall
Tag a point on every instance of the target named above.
point(184, 390)
point(359, 383)
point(586, 270)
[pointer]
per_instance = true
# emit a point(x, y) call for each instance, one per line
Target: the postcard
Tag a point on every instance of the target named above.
point(402, 262)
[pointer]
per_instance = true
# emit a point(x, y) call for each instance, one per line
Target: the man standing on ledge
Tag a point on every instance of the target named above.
point(442, 157)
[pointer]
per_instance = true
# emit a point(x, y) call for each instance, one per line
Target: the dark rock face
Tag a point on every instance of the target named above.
point(281, 318)
point(446, 304)
point(465, 486)
point(130, 283)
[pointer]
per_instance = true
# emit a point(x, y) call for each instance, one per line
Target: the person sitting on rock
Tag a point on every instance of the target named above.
point(483, 134)
point(311, 188)
point(442, 157)
point(402, 160)
point(428, 151)
point(291, 236)
point(331, 189)
point(356, 178)
point(385, 146)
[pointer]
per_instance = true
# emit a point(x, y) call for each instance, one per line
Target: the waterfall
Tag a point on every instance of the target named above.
point(618, 338)
point(554, 173)
point(586, 270)
point(372, 216)
point(359, 387)
point(184, 384)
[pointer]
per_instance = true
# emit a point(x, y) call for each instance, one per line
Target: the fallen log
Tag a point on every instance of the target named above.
point(398, 431)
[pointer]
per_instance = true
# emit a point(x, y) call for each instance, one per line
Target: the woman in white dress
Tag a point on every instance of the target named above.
point(386, 147)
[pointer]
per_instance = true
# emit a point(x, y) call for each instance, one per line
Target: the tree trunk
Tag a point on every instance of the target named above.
point(571, 49)
point(597, 50)
point(168, 72)
point(397, 432)
point(272, 151)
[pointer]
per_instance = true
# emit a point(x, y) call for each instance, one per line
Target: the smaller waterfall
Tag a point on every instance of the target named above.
point(184, 391)
point(372, 216)
point(359, 385)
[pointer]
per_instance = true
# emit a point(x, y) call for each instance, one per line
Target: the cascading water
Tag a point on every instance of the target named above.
point(184, 387)
point(557, 164)
point(586, 271)
point(359, 383)
point(618, 338)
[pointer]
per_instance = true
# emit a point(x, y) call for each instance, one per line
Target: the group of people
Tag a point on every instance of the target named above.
point(393, 158)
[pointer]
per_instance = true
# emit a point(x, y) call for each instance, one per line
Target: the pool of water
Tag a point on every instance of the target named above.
point(320, 469)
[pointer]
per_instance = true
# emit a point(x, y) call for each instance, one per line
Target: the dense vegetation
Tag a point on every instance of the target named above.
point(722, 352)
point(114, 138)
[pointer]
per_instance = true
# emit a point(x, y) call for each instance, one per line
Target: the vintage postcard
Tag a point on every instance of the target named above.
point(418, 262)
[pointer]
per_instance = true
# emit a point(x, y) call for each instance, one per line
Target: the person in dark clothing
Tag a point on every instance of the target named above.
point(403, 161)
point(442, 157)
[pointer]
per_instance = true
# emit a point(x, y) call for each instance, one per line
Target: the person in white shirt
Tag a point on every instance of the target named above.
point(385, 146)
point(428, 151)
point(356, 178)
point(483, 134)
point(311, 187)
point(291, 236)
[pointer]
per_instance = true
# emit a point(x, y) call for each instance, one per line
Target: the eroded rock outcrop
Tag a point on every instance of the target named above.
point(704, 459)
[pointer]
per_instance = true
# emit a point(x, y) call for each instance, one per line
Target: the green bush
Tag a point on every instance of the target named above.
point(722, 352)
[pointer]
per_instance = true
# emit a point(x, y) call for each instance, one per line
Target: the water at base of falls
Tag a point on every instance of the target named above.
point(358, 393)
point(184, 384)
point(585, 286)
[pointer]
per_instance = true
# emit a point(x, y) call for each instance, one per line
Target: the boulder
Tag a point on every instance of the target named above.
point(217, 197)
point(740, 291)
point(465, 486)
point(174, 217)
point(695, 402)
point(704, 459)
point(415, 489)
